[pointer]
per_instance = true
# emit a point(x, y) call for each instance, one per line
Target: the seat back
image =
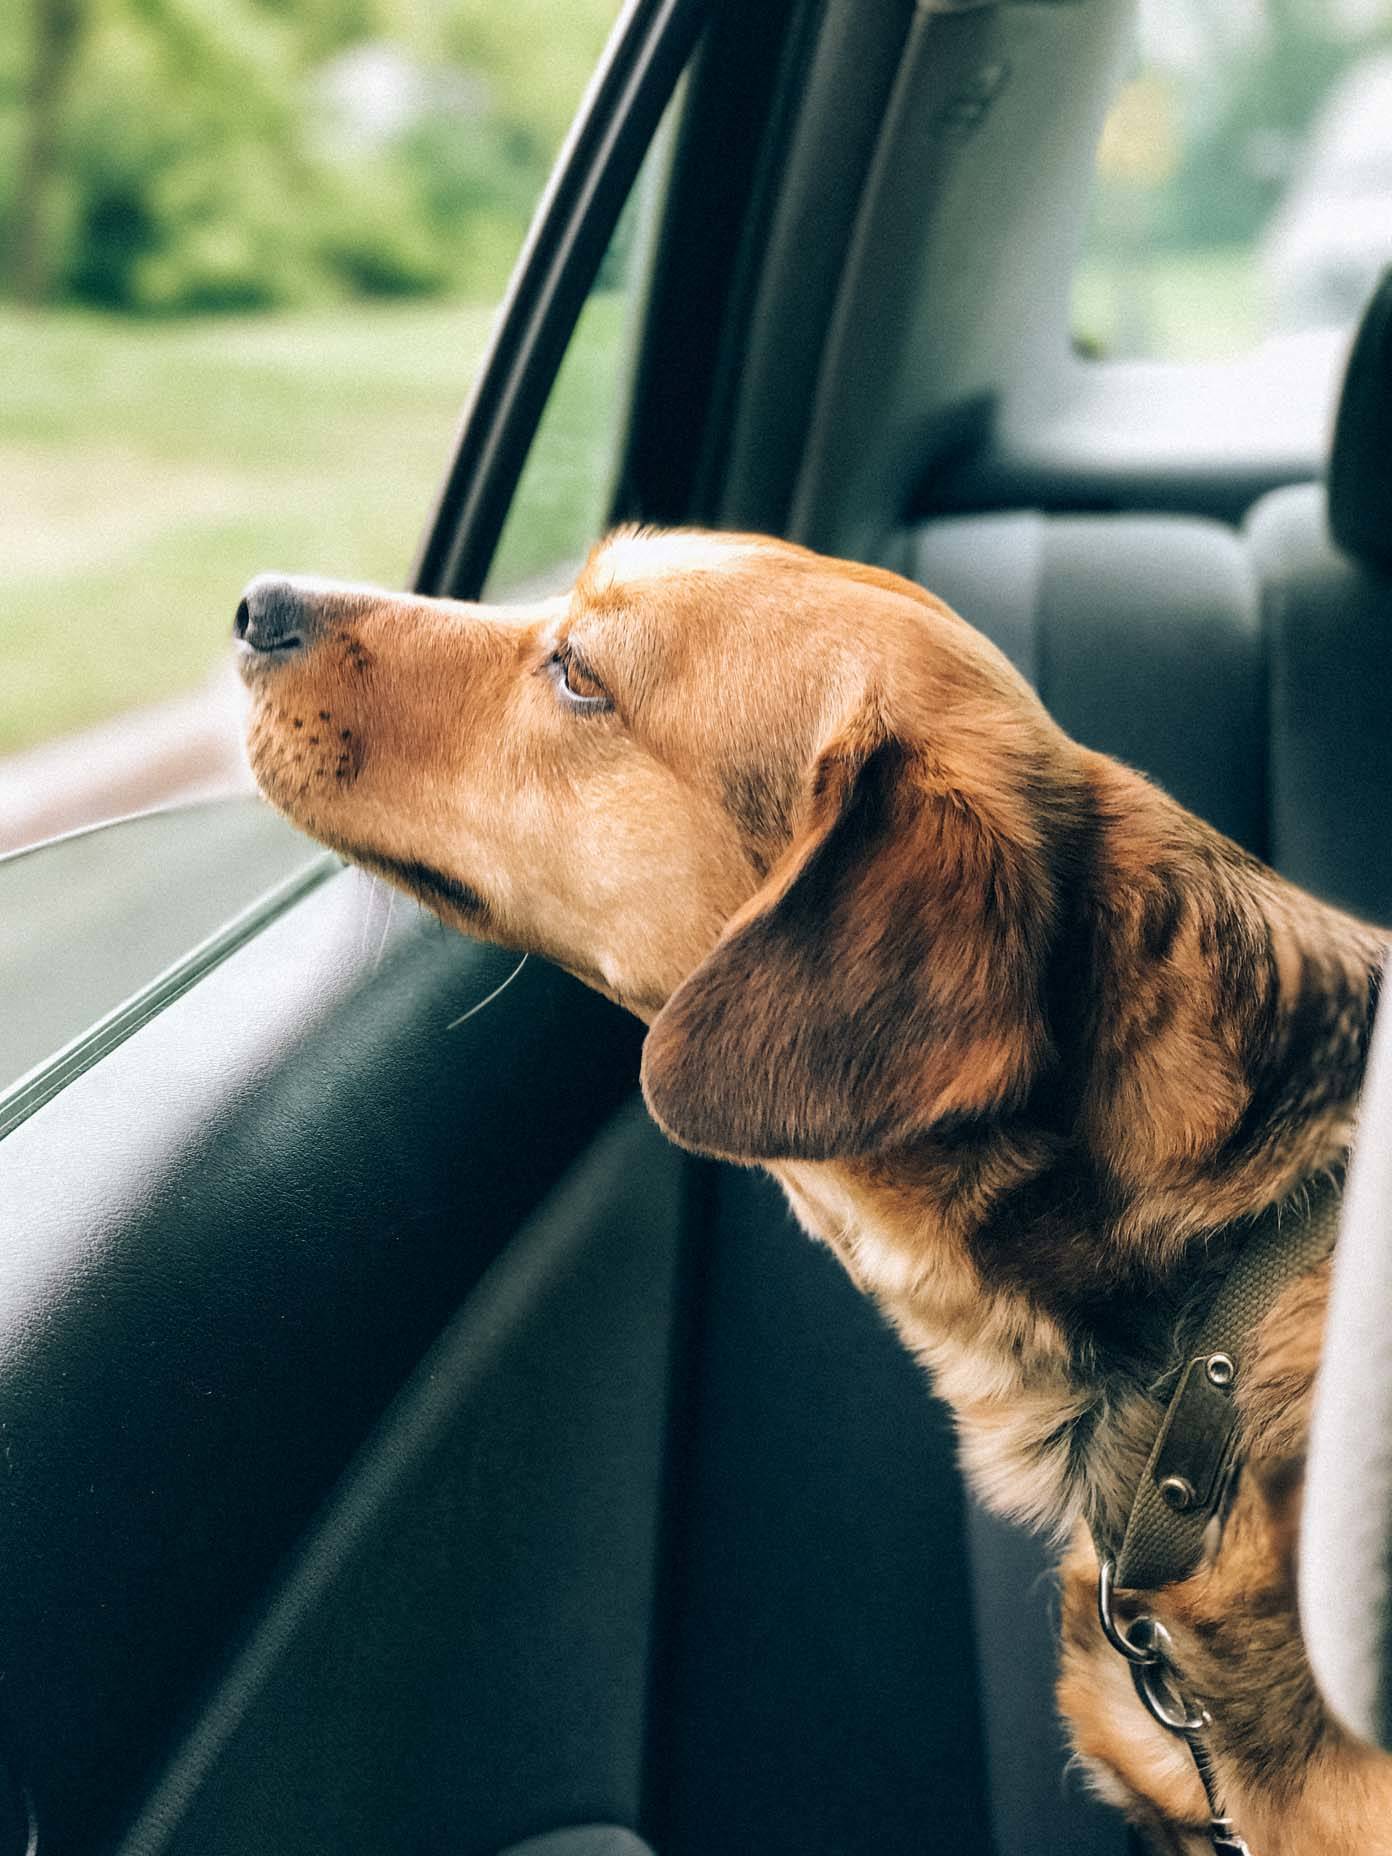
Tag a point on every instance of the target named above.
point(1250, 674)
point(1323, 560)
point(1142, 635)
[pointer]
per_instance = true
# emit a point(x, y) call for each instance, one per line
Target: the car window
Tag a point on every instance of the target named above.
point(564, 494)
point(200, 422)
point(224, 864)
point(251, 262)
point(1243, 192)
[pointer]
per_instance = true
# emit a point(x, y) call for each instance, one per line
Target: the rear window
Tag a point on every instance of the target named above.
point(1244, 180)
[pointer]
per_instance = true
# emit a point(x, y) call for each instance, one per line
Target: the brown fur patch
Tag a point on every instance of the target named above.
point(830, 1018)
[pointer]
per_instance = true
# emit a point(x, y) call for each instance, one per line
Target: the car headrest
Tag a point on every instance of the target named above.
point(1360, 464)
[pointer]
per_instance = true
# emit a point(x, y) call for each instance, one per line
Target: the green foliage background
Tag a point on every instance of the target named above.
point(187, 166)
point(1252, 92)
point(157, 444)
point(169, 164)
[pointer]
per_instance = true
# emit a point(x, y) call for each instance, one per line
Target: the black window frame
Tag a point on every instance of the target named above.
point(646, 54)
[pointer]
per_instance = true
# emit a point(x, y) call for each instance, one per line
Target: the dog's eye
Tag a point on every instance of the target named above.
point(578, 686)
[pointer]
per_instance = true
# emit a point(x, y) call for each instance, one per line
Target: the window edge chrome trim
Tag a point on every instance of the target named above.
point(40, 1085)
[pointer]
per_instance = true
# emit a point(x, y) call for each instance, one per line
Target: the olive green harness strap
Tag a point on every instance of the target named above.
point(1182, 1484)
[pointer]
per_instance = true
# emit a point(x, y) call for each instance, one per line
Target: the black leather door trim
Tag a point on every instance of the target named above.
point(225, 1247)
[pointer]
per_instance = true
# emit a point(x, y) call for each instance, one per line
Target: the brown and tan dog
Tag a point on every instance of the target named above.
point(1025, 1042)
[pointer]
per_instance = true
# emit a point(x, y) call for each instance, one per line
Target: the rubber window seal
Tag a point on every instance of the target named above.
point(47, 1079)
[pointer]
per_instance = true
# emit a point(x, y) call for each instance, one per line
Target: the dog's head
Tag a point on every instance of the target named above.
point(792, 811)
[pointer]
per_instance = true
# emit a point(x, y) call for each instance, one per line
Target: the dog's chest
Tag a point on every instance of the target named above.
point(879, 1261)
point(1000, 1362)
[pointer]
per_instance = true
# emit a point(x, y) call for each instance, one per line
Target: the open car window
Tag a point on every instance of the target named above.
point(337, 414)
point(1243, 191)
point(566, 490)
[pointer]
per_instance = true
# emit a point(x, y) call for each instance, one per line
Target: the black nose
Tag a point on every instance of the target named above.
point(275, 615)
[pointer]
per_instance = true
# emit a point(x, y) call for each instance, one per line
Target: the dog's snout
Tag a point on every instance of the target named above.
point(274, 615)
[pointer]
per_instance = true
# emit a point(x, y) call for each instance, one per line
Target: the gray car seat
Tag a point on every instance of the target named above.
point(1346, 1526)
point(1323, 558)
point(1251, 675)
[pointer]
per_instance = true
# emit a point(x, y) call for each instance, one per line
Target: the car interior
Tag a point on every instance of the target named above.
point(405, 1448)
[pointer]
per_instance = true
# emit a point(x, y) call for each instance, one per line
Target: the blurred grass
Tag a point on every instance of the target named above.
point(1174, 306)
point(148, 470)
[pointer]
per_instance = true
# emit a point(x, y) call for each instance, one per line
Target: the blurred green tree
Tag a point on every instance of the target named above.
point(1236, 163)
point(175, 155)
point(57, 28)
point(1242, 110)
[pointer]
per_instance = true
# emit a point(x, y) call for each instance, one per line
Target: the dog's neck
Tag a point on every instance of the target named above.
point(1210, 1026)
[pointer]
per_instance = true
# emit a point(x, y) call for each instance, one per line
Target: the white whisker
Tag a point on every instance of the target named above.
point(465, 1016)
point(386, 929)
point(369, 909)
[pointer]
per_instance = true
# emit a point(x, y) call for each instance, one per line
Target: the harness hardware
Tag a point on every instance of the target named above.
point(1190, 1464)
point(1146, 1645)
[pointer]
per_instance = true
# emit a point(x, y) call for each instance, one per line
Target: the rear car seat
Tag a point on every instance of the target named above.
point(1143, 635)
point(1250, 674)
point(1323, 558)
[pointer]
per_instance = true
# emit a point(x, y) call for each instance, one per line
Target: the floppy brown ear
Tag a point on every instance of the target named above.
point(886, 978)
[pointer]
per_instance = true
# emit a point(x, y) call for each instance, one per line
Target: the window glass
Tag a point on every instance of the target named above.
point(566, 488)
point(86, 929)
point(249, 253)
point(1244, 180)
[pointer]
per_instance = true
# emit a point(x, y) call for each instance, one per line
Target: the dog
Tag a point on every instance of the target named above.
point(1026, 1043)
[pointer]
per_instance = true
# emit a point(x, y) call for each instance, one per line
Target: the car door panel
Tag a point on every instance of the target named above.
point(458, 1655)
point(227, 1245)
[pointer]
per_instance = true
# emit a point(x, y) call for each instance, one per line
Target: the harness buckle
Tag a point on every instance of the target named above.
point(1146, 1646)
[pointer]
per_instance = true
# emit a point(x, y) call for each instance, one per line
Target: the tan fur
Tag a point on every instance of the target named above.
point(1026, 1044)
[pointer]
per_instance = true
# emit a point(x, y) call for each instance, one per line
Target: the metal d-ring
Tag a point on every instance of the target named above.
point(1145, 1643)
point(1140, 1651)
point(1175, 1712)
